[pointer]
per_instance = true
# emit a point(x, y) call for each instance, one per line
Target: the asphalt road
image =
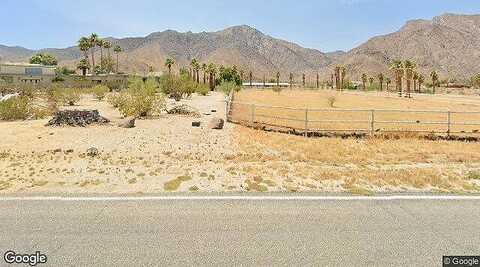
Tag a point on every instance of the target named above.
point(241, 232)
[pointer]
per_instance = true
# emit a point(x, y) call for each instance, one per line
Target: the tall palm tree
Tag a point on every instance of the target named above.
point(303, 79)
point(380, 79)
point(194, 65)
point(371, 80)
point(337, 76)
point(318, 81)
point(84, 46)
point(343, 73)
point(93, 43)
point(107, 45)
point(117, 50)
point(397, 68)
point(204, 70)
point(83, 65)
point(409, 70)
point(169, 62)
point(278, 78)
point(100, 44)
point(415, 80)
point(364, 81)
point(291, 79)
point(434, 77)
point(212, 70)
point(388, 81)
point(421, 80)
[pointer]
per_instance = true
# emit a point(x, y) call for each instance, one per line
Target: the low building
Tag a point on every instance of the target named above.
point(26, 73)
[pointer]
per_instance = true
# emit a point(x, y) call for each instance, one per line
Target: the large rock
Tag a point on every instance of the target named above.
point(93, 152)
point(216, 123)
point(76, 118)
point(128, 122)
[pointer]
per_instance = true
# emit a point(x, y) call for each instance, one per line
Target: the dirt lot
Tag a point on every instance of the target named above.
point(168, 154)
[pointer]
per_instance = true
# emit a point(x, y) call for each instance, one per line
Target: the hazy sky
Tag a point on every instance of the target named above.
point(324, 25)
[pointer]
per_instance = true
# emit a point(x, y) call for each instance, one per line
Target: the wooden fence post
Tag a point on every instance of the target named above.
point(253, 116)
point(372, 122)
point(449, 122)
point(306, 122)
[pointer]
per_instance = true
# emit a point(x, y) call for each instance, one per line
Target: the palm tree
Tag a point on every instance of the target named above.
point(318, 81)
point(291, 79)
point(415, 79)
point(303, 79)
point(371, 80)
point(337, 77)
point(83, 65)
point(388, 81)
point(380, 79)
point(278, 78)
point(409, 71)
point(107, 45)
point(117, 50)
point(421, 80)
point(204, 70)
point(194, 65)
point(250, 78)
point(364, 81)
point(434, 77)
point(100, 43)
point(397, 67)
point(241, 75)
point(343, 73)
point(93, 43)
point(212, 70)
point(84, 46)
point(169, 62)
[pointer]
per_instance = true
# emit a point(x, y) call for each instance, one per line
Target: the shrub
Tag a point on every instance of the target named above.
point(140, 99)
point(100, 91)
point(277, 89)
point(20, 108)
point(65, 96)
point(227, 87)
point(331, 101)
point(178, 87)
point(202, 89)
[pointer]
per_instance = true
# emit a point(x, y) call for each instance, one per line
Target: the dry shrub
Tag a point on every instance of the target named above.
point(100, 91)
point(21, 108)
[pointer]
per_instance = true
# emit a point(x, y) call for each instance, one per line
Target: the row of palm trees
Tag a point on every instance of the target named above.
point(89, 45)
point(209, 71)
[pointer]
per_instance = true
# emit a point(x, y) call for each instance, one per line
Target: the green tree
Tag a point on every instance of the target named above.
point(434, 77)
point(169, 62)
point(117, 50)
point(43, 59)
point(107, 45)
point(84, 46)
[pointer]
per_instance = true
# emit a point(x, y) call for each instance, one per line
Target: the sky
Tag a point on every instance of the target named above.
point(319, 24)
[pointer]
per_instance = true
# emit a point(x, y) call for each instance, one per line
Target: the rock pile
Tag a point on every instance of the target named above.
point(184, 110)
point(76, 118)
point(216, 123)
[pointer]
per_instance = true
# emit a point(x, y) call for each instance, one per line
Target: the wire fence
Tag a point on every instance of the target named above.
point(372, 121)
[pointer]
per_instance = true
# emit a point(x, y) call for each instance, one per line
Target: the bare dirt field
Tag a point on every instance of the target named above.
point(168, 154)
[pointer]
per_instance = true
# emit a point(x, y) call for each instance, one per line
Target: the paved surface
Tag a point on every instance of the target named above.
point(242, 232)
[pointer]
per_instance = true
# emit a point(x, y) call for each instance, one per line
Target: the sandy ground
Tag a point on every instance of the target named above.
point(168, 154)
point(141, 159)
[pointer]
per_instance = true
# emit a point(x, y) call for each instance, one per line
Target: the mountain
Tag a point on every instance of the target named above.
point(240, 45)
point(448, 43)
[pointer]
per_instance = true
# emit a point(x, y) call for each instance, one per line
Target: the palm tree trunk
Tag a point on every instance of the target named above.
point(101, 56)
point(409, 85)
point(204, 77)
point(93, 60)
point(117, 63)
point(198, 76)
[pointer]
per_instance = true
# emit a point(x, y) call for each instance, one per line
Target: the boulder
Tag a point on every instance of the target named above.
point(216, 123)
point(128, 122)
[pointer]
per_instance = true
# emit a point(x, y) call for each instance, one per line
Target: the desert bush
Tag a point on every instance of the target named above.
point(202, 89)
point(178, 87)
point(100, 91)
point(227, 87)
point(277, 89)
point(331, 101)
point(140, 99)
point(21, 108)
point(64, 96)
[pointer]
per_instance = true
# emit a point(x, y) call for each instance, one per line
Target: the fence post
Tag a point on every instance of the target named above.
point(253, 116)
point(372, 122)
point(449, 122)
point(306, 122)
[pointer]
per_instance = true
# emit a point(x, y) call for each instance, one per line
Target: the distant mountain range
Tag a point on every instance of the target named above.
point(449, 43)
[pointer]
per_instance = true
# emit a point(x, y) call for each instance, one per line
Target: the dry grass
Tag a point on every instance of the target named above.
point(336, 101)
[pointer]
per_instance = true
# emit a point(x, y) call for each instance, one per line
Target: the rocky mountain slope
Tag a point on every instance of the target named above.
point(448, 43)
